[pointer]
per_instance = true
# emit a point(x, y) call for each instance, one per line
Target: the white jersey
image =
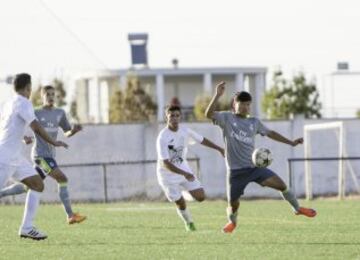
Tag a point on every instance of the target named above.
point(15, 115)
point(172, 146)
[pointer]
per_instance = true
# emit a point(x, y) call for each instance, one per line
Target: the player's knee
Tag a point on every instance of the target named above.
point(201, 198)
point(180, 203)
point(34, 183)
point(62, 179)
point(283, 187)
point(38, 186)
point(181, 206)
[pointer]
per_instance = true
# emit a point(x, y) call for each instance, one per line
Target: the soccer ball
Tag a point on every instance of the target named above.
point(261, 157)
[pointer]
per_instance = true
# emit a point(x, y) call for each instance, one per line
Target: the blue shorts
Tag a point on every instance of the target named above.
point(239, 179)
point(44, 165)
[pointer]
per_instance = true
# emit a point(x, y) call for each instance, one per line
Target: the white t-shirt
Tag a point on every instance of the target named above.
point(15, 115)
point(172, 146)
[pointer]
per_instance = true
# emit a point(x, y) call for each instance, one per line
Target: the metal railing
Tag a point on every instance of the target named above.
point(104, 166)
point(341, 181)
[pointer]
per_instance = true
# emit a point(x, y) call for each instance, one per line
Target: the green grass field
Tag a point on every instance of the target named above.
point(267, 230)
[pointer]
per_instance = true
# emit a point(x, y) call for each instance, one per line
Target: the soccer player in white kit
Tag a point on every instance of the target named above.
point(51, 119)
point(173, 171)
point(15, 115)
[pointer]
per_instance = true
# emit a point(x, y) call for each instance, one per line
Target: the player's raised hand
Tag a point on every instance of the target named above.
point(61, 144)
point(189, 177)
point(220, 88)
point(298, 141)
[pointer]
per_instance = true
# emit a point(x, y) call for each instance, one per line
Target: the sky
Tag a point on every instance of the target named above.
point(51, 38)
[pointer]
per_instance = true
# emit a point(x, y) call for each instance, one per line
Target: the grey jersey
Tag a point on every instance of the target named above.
point(50, 120)
point(239, 136)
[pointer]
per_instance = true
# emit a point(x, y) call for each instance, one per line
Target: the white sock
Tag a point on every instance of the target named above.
point(31, 205)
point(290, 197)
point(184, 215)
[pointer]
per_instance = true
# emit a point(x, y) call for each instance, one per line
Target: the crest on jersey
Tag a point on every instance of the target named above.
point(251, 127)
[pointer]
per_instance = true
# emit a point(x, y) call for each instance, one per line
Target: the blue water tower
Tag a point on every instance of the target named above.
point(138, 42)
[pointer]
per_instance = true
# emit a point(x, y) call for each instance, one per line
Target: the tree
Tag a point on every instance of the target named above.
point(73, 111)
point(116, 107)
point(36, 97)
point(202, 102)
point(288, 98)
point(134, 105)
point(60, 94)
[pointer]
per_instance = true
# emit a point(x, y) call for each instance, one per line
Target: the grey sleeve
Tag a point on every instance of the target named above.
point(219, 118)
point(64, 123)
point(261, 128)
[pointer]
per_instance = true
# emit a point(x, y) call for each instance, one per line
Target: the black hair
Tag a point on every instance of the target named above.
point(46, 88)
point(242, 96)
point(21, 81)
point(172, 108)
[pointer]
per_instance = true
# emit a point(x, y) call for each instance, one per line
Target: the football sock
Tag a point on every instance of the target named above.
point(232, 217)
point(184, 215)
point(289, 196)
point(65, 198)
point(14, 189)
point(31, 205)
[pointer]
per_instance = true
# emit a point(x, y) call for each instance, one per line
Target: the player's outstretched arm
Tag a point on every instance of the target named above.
point(38, 129)
point(171, 167)
point(220, 89)
point(278, 137)
point(75, 129)
point(208, 143)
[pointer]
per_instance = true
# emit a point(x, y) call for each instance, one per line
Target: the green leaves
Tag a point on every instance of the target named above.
point(288, 98)
point(60, 94)
point(201, 103)
point(132, 105)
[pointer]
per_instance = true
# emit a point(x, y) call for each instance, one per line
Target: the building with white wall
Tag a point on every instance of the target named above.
point(94, 89)
point(6, 92)
point(118, 162)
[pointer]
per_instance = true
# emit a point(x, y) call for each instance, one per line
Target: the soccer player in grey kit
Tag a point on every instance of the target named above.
point(43, 154)
point(239, 130)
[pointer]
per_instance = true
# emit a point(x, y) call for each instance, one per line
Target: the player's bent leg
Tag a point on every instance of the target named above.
point(58, 175)
point(198, 194)
point(61, 179)
point(277, 183)
point(34, 183)
point(274, 182)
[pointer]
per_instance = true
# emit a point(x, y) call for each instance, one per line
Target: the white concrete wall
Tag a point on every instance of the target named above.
point(111, 143)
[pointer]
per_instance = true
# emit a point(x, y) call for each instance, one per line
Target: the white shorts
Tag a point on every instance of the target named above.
point(173, 190)
point(19, 172)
